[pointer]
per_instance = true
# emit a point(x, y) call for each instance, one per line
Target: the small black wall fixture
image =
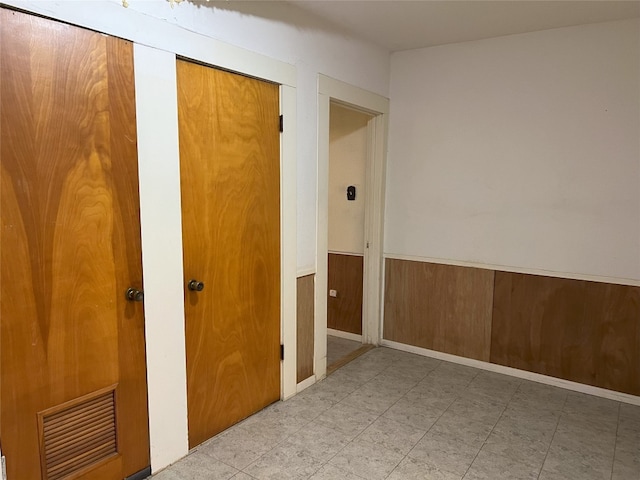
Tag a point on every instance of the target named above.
point(351, 192)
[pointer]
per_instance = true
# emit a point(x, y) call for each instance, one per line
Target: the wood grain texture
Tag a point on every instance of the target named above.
point(440, 307)
point(344, 312)
point(70, 239)
point(230, 182)
point(581, 331)
point(305, 326)
point(348, 358)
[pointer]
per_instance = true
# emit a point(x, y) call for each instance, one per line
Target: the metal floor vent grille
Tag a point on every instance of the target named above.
point(78, 434)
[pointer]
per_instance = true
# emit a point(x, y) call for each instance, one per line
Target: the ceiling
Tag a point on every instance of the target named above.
point(402, 25)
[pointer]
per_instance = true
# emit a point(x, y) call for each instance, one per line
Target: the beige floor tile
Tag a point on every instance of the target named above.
point(412, 469)
point(489, 466)
point(368, 421)
point(284, 462)
point(197, 466)
point(319, 441)
point(392, 435)
point(367, 460)
point(446, 453)
point(347, 419)
point(330, 472)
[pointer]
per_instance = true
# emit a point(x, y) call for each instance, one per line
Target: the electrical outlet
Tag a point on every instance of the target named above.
point(333, 293)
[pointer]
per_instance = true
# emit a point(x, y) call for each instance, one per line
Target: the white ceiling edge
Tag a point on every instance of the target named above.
point(408, 24)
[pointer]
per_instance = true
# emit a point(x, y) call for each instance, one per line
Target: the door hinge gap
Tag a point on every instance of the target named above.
point(281, 352)
point(282, 123)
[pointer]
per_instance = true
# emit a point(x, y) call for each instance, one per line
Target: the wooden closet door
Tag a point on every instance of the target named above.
point(73, 383)
point(230, 180)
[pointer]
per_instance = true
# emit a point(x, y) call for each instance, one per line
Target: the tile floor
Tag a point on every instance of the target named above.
point(338, 347)
point(394, 415)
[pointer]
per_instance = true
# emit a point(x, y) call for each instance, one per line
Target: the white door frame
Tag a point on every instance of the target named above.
point(330, 90)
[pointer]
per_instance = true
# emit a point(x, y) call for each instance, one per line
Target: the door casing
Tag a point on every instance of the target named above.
point(332, 90)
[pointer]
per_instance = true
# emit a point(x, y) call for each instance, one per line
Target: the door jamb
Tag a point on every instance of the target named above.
point(330, 90)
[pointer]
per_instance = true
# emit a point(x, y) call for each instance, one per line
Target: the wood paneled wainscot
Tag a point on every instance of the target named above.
point(587, 332)
point(305, 326)
point(344, 311)
point(439, 307)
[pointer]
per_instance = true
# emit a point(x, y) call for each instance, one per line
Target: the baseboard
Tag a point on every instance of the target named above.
point(141, 475)
point(305, 383)
point(514, 372)
point(349, 336)
point(320, 368)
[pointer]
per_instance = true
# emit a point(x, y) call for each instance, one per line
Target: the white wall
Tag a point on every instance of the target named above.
point(348, 141)
point(520, 151)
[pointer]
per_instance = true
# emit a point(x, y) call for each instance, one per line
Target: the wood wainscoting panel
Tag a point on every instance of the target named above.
point(440, 307)
point(614, 310)
point(577, 330)
point(344, 311)
point(305, 326)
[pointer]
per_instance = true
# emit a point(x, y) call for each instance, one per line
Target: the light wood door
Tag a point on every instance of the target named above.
point(73, 386)
point(230, 180)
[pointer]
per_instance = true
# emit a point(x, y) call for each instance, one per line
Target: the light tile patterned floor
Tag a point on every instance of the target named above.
point(338, 348)
point(394, 415)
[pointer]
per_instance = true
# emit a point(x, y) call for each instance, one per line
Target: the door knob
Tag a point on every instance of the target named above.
point(134, 295)
point(195, 285)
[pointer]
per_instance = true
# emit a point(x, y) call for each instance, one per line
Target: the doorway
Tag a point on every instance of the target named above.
point(348, 168)
point(336, 94)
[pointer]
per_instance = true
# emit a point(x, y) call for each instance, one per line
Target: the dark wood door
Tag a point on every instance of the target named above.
point(74, 394)
point(230, 180)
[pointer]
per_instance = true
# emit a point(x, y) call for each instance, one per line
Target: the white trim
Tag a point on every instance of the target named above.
point(113, 19)
point(514, 372)
point(161, 228)
point(383, 284)
point(288, 239)
point(346, 335)
point(505, 268)
point(353, 97)
point(321, 364)
point(3, 466)
point(305, 272)
point(348, 254)
point(374, 229)
point(305, 383)
point(322, 241)
point(330, 90)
